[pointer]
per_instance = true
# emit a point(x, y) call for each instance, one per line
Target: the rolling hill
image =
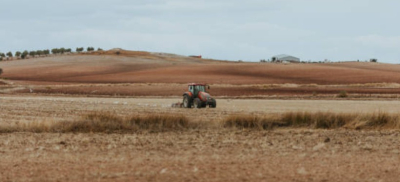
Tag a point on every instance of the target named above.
point(136, 67)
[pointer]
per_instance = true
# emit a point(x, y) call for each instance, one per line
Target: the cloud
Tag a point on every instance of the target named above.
point(221, 29)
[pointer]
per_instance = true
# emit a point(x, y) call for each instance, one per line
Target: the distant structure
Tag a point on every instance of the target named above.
point(373, 60)
point(285, 58)
point(195, 56)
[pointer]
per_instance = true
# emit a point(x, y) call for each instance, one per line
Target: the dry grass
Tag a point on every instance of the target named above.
point(104, 123)
point(111, 123)
point(342, 94)
point(319, 120)
point(325, 120)
point(100, 122)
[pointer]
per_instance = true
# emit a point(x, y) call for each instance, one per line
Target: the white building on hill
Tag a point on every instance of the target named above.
point(285, 58)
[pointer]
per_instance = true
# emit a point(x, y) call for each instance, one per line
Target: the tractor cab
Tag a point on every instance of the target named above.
point(196, 88)
point(197, 96)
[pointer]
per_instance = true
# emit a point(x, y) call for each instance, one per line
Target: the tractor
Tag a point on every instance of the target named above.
point(198, 97)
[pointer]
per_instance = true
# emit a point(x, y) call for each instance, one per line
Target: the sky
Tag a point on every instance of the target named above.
point(337, 30)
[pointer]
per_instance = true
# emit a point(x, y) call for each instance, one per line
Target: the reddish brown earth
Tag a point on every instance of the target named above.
point(216, 90)
point(142, 67)
point(45, 74)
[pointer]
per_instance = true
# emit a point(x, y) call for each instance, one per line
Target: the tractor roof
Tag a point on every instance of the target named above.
point(196, 84)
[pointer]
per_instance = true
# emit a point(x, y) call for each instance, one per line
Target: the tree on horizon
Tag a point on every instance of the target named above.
point(2, 55)
point(54, 51)
point(90, 49)
point(79, 49)
point(32, 53)
point(9, 54)
point(18, 54)
point(24, 54)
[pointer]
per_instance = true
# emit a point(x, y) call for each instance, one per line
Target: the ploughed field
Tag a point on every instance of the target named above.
point(133, 73)
point(202, 154)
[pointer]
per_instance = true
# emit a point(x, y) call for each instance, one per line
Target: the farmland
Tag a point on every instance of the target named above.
point(157, 74)
point(44, 91)
point(196, 154)
point(282, 155)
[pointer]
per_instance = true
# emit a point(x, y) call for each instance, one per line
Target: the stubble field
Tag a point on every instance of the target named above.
point(227, 155)
point(202, 154)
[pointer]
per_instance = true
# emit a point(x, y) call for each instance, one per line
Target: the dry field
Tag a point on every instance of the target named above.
point(153, 68)
point(39, 108)
point(268, 91)
point(38, 94)
point(225, 155)
point(143, 74)
point(199, 154)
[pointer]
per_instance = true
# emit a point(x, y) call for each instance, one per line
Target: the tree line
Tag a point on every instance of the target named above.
point(25, 54)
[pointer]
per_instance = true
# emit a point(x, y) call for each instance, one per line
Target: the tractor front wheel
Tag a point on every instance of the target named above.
point(186, 102)
point(197, 103)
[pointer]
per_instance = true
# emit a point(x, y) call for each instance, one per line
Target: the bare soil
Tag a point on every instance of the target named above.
point(133, 73)
point(110, 69)
point(219, 90)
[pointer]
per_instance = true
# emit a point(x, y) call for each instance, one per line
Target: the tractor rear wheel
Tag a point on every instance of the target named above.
point(213, 104)
point(187, 102)
point(197, 103)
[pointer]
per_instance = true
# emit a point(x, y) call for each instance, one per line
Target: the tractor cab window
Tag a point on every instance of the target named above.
point(200, 88)
point(191, 89)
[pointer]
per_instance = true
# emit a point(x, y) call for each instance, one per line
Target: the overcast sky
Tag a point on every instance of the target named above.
point(221, 29)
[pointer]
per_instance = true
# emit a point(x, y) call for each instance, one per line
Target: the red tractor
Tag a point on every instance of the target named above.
point(198, 97)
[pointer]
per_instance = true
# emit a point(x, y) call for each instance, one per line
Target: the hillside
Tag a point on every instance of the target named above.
point(134, 67)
